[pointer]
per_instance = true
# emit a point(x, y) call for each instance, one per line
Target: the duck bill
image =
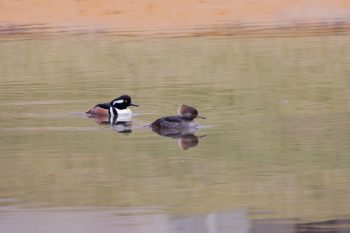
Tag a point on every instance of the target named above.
point(136, 105)
point(202, 117)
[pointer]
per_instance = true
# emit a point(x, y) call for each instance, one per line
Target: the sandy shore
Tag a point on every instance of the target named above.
point(165, 15)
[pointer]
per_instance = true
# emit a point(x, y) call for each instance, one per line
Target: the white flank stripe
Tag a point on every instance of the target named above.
point(111, 112)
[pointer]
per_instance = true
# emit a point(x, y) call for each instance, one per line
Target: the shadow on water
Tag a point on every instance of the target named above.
point(150, 219)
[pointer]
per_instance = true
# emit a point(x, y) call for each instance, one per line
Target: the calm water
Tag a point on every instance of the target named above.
point(273, 155)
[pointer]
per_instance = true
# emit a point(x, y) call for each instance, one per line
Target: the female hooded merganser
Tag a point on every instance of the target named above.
point(116, 107)
point(184, 119)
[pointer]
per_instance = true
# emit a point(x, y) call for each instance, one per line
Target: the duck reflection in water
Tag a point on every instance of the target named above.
point(181, 126)
point(186, 137)
point(120, 123)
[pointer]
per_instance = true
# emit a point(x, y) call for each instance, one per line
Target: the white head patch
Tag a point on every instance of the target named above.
point(118, 102)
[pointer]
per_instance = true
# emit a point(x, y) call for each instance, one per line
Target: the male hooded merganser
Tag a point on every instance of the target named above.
point(184, 119)
point(116, 107)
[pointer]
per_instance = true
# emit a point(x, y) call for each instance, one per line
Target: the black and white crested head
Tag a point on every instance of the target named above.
point(122, 102)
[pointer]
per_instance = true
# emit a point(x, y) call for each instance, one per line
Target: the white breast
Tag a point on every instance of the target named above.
point(124, 111)
point(124, 115)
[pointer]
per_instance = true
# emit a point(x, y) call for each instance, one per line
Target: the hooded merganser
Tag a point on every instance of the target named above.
point(118, 106)
point(184, 119)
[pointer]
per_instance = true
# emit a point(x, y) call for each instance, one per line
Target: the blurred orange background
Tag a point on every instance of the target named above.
point(168, 14)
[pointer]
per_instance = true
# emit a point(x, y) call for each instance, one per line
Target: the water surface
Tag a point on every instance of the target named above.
point(275, 146)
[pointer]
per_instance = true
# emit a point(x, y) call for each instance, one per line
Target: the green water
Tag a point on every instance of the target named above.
point(276, 138)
